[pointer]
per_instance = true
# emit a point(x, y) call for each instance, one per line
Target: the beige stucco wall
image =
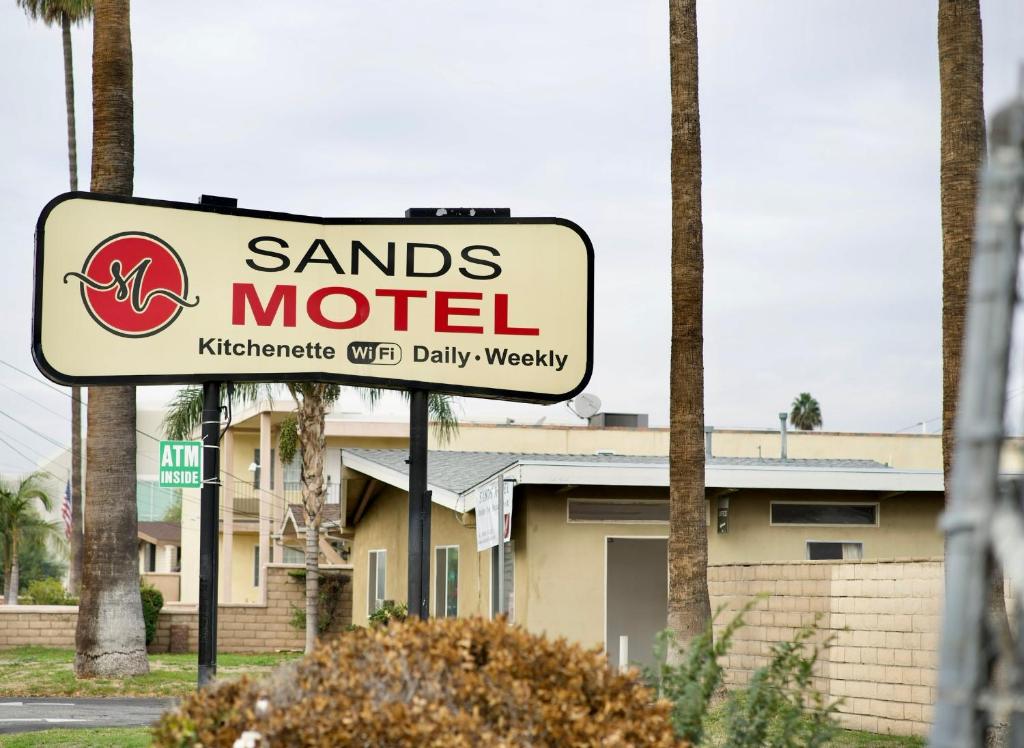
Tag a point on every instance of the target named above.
point(385, 526)
point(243, 547)
point(908, 526)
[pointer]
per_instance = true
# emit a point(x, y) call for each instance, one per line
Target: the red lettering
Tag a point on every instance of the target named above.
point(401, 297)
point(316, 300)
point(501, 325)
point(245, 293)
point(443, 310)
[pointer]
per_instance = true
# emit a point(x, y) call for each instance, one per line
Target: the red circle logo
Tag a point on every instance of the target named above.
point(133, 284)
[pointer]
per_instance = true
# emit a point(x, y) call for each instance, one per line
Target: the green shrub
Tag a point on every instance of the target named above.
point(331, 591)
point(49, 592)
point(152, 603)
point(779, 708)
point(459, 682)
point(388, 612)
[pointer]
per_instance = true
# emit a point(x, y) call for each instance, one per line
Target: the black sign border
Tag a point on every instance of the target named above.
point(54, 375)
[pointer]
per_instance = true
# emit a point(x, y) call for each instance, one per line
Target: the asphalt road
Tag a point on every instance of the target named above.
point(25, 714)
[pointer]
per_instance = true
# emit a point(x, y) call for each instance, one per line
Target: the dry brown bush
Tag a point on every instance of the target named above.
point(455, 682)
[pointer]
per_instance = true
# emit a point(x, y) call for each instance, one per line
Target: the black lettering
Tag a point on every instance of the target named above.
point(328, 351)
point(468, 257)
point(239, 349)
point(283, 351)
point(420, 353)
point(297, 351)
point(410, 261)
point(327, 259)
point(359, 248)
point(283, 259)
point(205, 346)
point(253, 348)
point(268, 349)
point(496, 355)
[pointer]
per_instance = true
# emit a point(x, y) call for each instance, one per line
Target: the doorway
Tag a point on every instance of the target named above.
point(636, 596)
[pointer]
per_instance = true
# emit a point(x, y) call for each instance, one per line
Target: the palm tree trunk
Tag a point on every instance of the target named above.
point(962, 153)
point(15, 576)
point(110, 639)
point(69, 100)
point(312, 438)
point(75, 570)
point(689, 608)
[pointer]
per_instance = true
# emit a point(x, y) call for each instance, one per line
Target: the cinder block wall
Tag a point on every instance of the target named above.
point(254, 627)
point(884, 616)
point(240, 628)
point(38, 626)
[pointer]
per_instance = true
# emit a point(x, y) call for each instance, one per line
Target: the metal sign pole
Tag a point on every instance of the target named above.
point(419, 507)
point(209, 521)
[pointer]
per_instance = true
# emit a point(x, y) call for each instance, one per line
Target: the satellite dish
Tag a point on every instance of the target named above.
point(585, 405)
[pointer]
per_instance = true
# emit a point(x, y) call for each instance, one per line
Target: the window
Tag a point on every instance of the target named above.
point(177, 558)
point(293, 555)
point(376, 582)
point(255, 566)
point(446, 581)
point(509, 581)
point(600, 510)
point(808, 513)
point(259, 467)
point(818, 550)
point(150, 557)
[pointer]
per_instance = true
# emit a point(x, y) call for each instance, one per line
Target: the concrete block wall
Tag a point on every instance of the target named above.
point(240, 627)
point(255, 627)
point(38, 626)
point(883, 618)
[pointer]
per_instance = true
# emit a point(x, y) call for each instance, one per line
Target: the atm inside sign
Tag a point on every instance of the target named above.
point(181, 464)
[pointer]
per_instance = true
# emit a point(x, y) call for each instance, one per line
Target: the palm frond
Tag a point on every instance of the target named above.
point(442, 412)
point(184, 412)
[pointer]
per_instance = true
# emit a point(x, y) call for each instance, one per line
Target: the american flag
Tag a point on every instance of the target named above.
point(65, 510)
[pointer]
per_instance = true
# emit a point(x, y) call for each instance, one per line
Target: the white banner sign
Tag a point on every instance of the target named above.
point(487, 515)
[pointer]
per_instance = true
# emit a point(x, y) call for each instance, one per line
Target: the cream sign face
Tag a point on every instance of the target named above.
point(150, 292)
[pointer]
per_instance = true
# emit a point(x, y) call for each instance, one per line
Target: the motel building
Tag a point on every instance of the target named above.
point(587, 557)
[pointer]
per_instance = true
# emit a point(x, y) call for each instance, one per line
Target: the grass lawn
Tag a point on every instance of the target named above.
point(114, 737)
point(138, 737)
point(38, 671)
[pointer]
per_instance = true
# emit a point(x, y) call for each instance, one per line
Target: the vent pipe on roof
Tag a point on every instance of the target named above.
point(782, 432)
point(708, 431)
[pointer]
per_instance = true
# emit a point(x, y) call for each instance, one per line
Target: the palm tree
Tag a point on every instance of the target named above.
point(805, 413)
point(312, 402)
point(20, 522)
point(689, 608)
point(110, 639)
point(67, 12)
point(962, 123)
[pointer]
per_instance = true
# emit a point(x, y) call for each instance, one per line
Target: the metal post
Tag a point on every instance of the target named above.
point(209, 519)
point(967, 647)
point(419, 507)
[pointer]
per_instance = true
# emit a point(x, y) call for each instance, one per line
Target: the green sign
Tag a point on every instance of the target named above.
point(181, 464)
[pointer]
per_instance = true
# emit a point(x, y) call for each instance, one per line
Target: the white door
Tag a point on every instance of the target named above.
point(636, 596)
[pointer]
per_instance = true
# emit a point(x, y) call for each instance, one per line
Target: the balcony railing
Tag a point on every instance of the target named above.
point(247, 499)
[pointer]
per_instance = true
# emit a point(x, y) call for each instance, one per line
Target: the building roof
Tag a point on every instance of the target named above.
point(160, 533)
point(296, 514)
point(454, 477)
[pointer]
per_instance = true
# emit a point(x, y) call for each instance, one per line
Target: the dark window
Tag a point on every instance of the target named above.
point(819, 551)
point(587, 510)
point(824, 514)
point(150, 557)
point(259, 467)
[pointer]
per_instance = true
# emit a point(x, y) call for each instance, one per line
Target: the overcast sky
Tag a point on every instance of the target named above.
point(820, 144)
